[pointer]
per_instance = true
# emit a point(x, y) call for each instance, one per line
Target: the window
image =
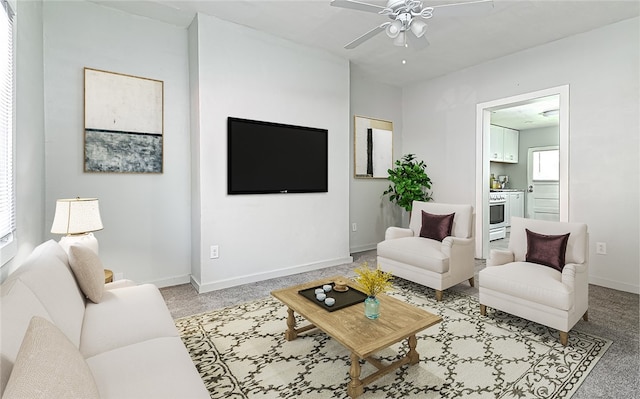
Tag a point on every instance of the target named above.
point(7, 99)
point(546, 165)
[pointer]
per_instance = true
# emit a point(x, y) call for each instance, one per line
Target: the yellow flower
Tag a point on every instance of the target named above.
point(373, 281)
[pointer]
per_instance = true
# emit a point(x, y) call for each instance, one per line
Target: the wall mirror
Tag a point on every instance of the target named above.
point(373, 147)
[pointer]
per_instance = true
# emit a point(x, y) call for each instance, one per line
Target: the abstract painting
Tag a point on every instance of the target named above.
point(123, 123)
point(373, 147)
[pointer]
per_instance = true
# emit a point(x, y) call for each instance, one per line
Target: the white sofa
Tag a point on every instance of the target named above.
point(128, 339)
point(533, 291)
point(432, 263)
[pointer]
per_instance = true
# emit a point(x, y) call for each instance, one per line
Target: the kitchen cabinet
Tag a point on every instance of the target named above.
point(511, 145)
point(514, 206)
point(496, 143)
point(503, 144)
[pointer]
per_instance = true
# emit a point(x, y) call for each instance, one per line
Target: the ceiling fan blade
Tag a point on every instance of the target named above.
point(357, 5)
point(417, 43)
point(366, 36)
point(467, 8)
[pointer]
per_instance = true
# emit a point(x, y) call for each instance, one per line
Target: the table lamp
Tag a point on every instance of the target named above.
point(77, 218)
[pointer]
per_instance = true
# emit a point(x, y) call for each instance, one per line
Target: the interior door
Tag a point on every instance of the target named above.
point(543, 189)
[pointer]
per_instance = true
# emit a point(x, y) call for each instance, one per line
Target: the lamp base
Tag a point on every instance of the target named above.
point(87, 239)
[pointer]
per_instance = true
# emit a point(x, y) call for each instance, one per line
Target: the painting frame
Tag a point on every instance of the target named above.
point(372, 147)
point(123, 123)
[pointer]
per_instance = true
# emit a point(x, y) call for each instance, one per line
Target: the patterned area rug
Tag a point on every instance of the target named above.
point(241, 352)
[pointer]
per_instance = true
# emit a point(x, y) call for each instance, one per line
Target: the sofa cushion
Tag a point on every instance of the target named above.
point(529, 281)
point(49, 365)
point(548, 250)
point(47, 274)
point(156, 368)
point(89, 272)
point(436, 227)
point(125, 316)
point(415, 251)
point(462, 221)
point(577, 245)
point(18, 306)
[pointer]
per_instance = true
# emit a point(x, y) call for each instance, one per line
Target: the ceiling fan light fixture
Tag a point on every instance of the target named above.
point(400, 40)
point(394, 29)
point(418, 27)
point(405, 15)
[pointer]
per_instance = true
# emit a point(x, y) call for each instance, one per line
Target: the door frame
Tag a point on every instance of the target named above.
point(483, 122)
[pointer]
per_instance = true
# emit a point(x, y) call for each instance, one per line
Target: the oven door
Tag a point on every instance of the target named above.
point(496, 214)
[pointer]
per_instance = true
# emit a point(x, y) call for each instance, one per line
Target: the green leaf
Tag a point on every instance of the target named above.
point(409, 182)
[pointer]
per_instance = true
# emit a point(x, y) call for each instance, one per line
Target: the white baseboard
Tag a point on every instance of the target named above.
point(252, 278)
point(171, 281)
point(616, 285)
point(362, 248)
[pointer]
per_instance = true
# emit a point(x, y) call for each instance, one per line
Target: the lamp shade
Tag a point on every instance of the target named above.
point(418, 27)
point(400, 40)
point(76, 216)
point(394, 29)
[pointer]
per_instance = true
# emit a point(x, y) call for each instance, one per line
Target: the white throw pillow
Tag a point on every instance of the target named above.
point(49, 366)
point(87, 268)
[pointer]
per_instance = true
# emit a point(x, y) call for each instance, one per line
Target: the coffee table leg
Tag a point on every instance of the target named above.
point(291, 333)
point(355, 387)
point(413, 356)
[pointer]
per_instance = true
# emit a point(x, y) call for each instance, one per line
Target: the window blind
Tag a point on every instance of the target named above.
point(7, 195)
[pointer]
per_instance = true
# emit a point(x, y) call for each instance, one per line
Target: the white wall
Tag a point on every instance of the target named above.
point(371, 212)
point(248, 74)
point(601, 69)
point(194, 89)
point(148, 229)
point(29, 127)
point(146, 217)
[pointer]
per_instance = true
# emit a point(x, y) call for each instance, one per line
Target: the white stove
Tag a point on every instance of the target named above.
point(497, 222)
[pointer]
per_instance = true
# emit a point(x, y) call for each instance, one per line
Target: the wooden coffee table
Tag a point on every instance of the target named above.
point(361, 336)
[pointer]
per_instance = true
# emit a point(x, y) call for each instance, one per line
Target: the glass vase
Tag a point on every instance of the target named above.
point(372, 307)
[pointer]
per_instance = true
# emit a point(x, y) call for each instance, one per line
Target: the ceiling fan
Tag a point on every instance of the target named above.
point(408, 15)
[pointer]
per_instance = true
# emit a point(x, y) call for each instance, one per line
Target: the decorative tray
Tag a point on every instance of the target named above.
point(343, 299)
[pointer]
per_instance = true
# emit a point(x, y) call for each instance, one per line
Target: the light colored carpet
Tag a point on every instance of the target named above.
point(241, 352)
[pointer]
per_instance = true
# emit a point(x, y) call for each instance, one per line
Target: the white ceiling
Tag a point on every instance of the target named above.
point(528, 115)
point(456, 42)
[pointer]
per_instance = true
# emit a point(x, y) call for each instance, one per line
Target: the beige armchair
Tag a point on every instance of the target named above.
point(442, 260)
point(556, 294)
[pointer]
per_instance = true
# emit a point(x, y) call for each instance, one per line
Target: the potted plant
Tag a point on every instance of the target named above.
point(410, 182)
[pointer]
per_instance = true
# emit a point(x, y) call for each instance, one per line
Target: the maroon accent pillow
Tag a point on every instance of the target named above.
point(546, 249)
point(436, 227)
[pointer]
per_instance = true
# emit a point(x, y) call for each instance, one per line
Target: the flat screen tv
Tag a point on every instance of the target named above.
point(271, 158)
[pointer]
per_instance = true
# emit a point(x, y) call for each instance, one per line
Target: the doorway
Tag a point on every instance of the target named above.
point(483, 123)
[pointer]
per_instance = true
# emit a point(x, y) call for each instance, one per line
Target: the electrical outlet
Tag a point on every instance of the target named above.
point(354, 226)
point(601, 248)
point(214, 252)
